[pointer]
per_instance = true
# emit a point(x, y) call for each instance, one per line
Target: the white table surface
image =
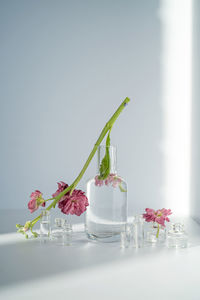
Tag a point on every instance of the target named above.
point(86, 270)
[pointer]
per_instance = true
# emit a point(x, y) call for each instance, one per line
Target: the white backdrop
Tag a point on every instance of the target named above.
point(195, 203)
point(65, 68)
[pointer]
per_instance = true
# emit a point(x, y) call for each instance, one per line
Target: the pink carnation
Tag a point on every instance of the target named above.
point(36, 201)
point(162, 216)
point(61, 187)
point(159, 216)
point(74, 204)
point(150, 215)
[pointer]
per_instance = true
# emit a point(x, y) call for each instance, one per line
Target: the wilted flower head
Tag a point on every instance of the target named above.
point(112, 179)
point(159, 216)
point(61, 187)
point(98, 182)
point(74, 204)
point(36, 201)
point(150, 215)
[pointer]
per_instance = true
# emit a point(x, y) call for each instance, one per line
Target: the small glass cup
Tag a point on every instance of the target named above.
point(57, 232)
point(156, 233)
point(177, 237)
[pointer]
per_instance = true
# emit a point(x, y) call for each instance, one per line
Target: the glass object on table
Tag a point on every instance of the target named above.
point(133, 235)
point(45, 226)
point(61, 233)
point(124, 239)
point(67, 236)
point(57, 232)
point(156, 233)
point(138, 231)
point(177, 237)
point(106, 214)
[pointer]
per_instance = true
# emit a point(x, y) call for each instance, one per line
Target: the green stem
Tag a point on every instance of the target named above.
point(49, 199)
point(106, 128)
point(35, 220)
point(157, 234)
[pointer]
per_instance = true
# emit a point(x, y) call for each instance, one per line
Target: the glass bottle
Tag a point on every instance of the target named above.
point(106, 214)
point(128, 236)
point(133, 234)
point(45, 226)
point(156, 233)
point(67, 237)
point(57, 232)
point(177, 237)
point(138, 231)
point(125, 239)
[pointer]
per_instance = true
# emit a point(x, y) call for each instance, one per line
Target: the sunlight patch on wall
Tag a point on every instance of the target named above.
point(176, 18)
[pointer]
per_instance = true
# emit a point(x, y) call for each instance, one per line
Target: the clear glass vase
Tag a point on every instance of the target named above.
point(106, 214)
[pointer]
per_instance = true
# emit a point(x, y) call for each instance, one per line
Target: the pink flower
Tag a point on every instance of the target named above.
point(98, 182)
point(109, 179)
point(74, 204)
point(36, 201)
point(113, 179)
point(36, 194)
point(61, 187)
point(150, 215)
point(159, 216)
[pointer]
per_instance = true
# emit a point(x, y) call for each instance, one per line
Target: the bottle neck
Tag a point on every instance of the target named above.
point(113, 158)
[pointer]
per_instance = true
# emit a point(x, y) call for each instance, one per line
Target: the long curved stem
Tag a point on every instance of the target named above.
point(106, 128)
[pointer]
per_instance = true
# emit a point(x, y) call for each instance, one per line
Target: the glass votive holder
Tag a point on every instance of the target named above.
point(156, 233)
point(176, 236)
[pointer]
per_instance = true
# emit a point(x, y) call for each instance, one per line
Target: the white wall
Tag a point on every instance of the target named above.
point(65, 68)
point(195, 178)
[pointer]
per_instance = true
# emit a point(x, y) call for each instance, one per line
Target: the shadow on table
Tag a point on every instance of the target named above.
point(30, 260)
point(25, 260)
